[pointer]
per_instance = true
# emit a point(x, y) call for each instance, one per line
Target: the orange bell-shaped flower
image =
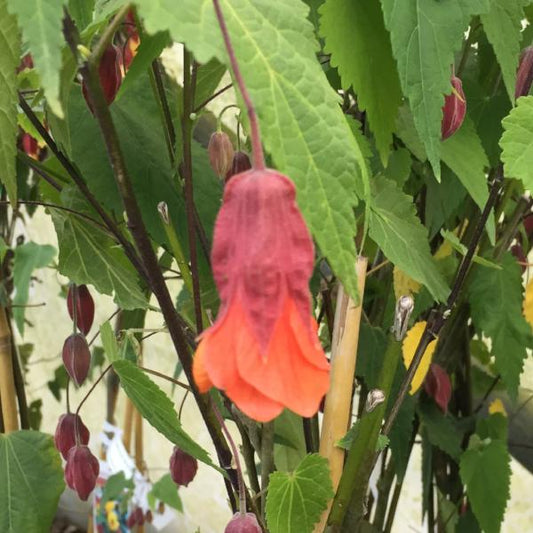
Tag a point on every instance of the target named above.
point(263, 349)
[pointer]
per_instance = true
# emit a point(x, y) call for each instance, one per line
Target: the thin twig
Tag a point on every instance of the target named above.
point(164, 376)
point(212, 97)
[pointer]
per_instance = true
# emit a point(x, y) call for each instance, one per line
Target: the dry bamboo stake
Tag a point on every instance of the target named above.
point(139, 456)
point(128, 423)
point(7, 381)
point(338, 404)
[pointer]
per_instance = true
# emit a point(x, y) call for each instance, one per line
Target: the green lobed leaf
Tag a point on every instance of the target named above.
point(157, 408)
point(496, 298)
point(166, 491)
point(503, 25)
point(296, 501)
point(87, 254)
point(109, 342)
point(486, 472)
point(9, 60)
point(302, 126)
point(208, 77)
point(517, 142)
point(425, 35)
point(360, 47)
point(28, 257)
point(31, 481)
point(41, 24)
point(397, 230)
point(289, 453)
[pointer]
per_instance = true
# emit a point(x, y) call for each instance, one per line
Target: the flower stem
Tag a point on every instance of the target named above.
point(257, 149)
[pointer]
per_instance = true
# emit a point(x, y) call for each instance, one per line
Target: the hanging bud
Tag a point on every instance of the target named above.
point(524, 76)
point(81, 471)
point(25, 63)
point(453, 112)
point(221, 153)
point(77, 357)
point(437, 385)
point(110, 75)
point(30, 146)
point(68, 427)
point(183, 467)
point(240, 163)
point(84, 307)
point(243, 523)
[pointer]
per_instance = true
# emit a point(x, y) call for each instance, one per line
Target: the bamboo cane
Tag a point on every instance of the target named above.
point(338, 405)
point(128, 424)
point(7, 381)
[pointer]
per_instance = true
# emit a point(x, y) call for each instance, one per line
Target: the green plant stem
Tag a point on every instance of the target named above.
point(384, 486)
point(267, 460)
point(439, 316)
point(360, 460)
point(186, 128)
point(89, 73)
point(247, 452)
point(523, 205)
point(44, 172)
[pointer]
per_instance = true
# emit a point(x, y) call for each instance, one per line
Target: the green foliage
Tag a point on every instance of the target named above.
point(295, 501)
point(516, 142)
point(28, 257)
point(166, 491)
point(425, 35)
point(9, 60)
point(41, 23)
point(346, 442)
point(359, 44)
point(156, 407)
point(397, 230)
point(495, 298)
point(114, 486)
point(29, 458)
point(486, 472)
point(302, 126)
point(87, 254)
point(288, 428)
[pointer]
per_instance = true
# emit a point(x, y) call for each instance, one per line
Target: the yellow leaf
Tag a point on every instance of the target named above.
point(528, 303)
point(496, 406)
point(445, 250)
point(408, 349)
point(403, 284)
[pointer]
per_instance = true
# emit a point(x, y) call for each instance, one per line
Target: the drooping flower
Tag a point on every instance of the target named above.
point(81, 471)
point(243, 523)
point(183, 467)
point(84, 307)
point(454, 109)
point(69, 431)
point(263, 349)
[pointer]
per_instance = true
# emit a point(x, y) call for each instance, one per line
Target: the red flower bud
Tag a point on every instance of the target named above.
point(110, 75)
point(25, 62)
point(149, 517)
point(454, 109)
point(240, 163)
point(68, 426)
point(220, 152)
point(524, 76)
point(132, 519)
point(520, 256)
point(528, 225)
point(243, 523)
point(84, 307)
point(139, 516)
point(183, 467)
point(437, 385)
point(77, 357)
point(81, 471)
point(30, 146)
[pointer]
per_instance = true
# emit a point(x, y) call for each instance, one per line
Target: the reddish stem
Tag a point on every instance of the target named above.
point(257, 149)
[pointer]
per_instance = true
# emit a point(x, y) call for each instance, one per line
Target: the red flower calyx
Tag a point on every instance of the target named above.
point(84, 307)
point(454, 110)
point(77, 357)
point(70, 431)
point(240, 163)
point(243, 523)
point(263, 349)
point(81, 471)
point(183, 467)
point(220, 152)
point(437, 385)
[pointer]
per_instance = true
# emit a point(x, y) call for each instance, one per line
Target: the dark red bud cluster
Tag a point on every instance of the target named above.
point(81, 471)
point(110, 75)
point(183, 467)
point(243, 523)
point(70, 431)
point(77, 357)
point(438, 386)
point(220, 150)
point(524, 75)
point(241, 163)
point(79, 296)
point(454, 110)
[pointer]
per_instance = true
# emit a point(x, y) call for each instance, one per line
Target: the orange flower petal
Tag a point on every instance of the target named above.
point(294, 370)
point(201, 378)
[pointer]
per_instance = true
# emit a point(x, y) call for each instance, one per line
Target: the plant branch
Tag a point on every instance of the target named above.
point(257, 149)
point(212, 97)
point(89, 73)
point(39, 169)
point(164, 376)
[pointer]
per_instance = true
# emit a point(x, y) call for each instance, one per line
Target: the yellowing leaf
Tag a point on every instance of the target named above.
point(496, 406)
point(444, 250)
point(408, 350)
point(528, 303)
point(403, 284)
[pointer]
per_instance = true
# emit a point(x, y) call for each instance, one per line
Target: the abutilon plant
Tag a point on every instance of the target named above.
point(263, 350)
point(70, 431)
point(79, 297)
point(81, 470)
point(454, 110)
